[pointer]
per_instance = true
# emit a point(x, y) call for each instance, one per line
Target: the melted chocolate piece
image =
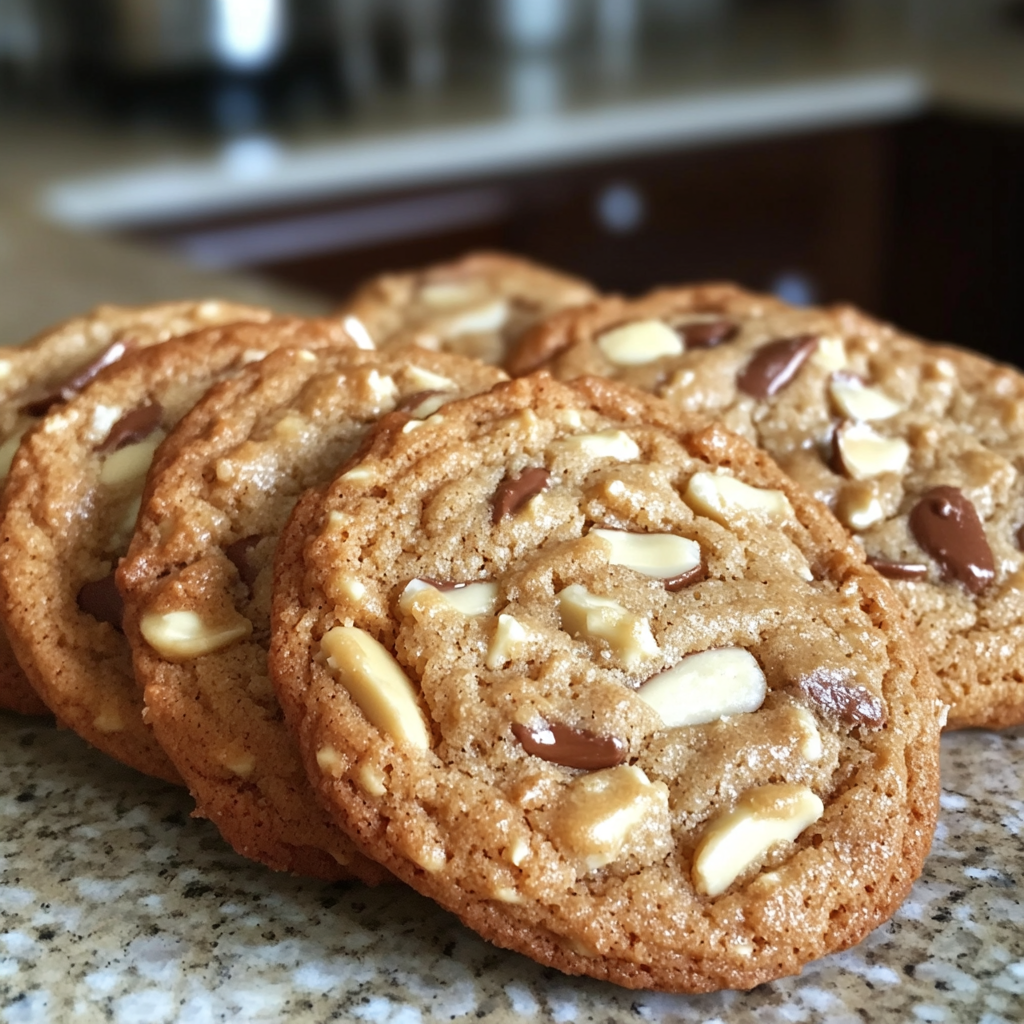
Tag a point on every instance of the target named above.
point(707, 334)
point(72, 386)
point(947, 526)
point(686, 579)
point(775, 365)
point(239, 554)
point(446, 585)
point(899, 570)
point(513, 494)
point(134, 426)
point(410, 402)
point(836, 698)
point(1020, 538)
point(573, 748)
point(102, 601)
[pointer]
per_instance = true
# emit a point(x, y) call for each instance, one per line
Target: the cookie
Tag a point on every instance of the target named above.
point(69, 508)
point(476, 306)
point(610, 687)
point(196, 580)
point(54, 366)
point(917, 448)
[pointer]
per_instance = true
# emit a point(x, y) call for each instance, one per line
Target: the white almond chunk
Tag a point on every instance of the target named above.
point(425, 380)
point(356, 330)
point(736, 839)
point(238, 761)
point(505, 894)
point(121, 536)
point(472, 599)
point(661, 555)
point(358, 474)
point(372, 780)
point(508, 638)
point(347, 588)
point(481, 320)
point(5, 368)
point(225, 470)
point(290, 426)
point(432, 859)
point(599, 811)
point(7, 450)
point(253, 355)
point(131, 462)
point(109, 720)
point(429, 406)
point(178, 636)
point(605, 444)
point(382, 388)
point(640, 342)
point(376, 682)
point(859, 507)
point(830, 354)
point(569, 418)
point(103, 418)
point(865, 453)
point(856, 400)
point(705, 687)
point(808, 735)
point(722, 498)
point(601, 618)
point(518, 852)
point(447, 294)
point(412, 425)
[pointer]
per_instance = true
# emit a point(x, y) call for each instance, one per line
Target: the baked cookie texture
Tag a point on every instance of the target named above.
point(476, 306)
point(604, 682)
point(68, 512)
point(917, 448)
point(52, 367)
point(196, 580)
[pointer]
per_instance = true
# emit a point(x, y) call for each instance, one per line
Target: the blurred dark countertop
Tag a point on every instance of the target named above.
point(67, 183)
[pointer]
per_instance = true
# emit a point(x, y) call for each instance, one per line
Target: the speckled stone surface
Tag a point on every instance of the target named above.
point(115, 905)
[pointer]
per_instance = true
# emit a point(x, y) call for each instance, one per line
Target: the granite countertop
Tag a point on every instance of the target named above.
point(116, 905)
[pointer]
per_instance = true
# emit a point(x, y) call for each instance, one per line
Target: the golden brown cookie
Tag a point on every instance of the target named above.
point(917, 448)
point(476, 306)
point(53, 367)
point(605, 683)
point(196, 580)
point(69, 509)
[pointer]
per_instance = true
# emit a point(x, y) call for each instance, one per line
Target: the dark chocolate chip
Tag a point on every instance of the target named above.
point(837, 698)
point(706, 333)
point(71, 387)
point(572, 748)
point(686, 579)
point(1020, 538)
point(240, 555)
point(947, 526)
point(899, 570)
point(775, 365)
point(101, 600)
point(513, 494)
point(134, 426)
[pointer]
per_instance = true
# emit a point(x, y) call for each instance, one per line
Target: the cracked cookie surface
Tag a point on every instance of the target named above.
point(917, 448)
point(196, 580)
point(69, 509)
point(52, 367)
point(603, 682)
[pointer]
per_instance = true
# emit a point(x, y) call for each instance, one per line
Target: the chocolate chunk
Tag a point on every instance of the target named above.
point(411, 402)
point(573, 748)
point(706, 333)
point(134, 426)
point(102, 601)
point(775, 365)
point(899, 570)
point(686, 579)
point(73, 385)
point(240, 555)
point(947, 526)
point(836, 698)
point(513, 494)
point(1020, 538)
point(444, 585)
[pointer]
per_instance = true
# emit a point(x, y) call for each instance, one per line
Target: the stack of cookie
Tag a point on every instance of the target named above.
point(637, 662)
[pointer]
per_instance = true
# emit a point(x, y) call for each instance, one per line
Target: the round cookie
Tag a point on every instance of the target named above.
point(196, 580)
point(55, 365)
point(917, 448)
point(69, 508)
point(476, 306)
point(602, 681)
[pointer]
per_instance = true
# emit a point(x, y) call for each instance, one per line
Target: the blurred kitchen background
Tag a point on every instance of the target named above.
point(282, 150)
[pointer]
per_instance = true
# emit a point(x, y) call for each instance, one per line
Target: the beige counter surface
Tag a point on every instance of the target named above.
point(117, 906)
